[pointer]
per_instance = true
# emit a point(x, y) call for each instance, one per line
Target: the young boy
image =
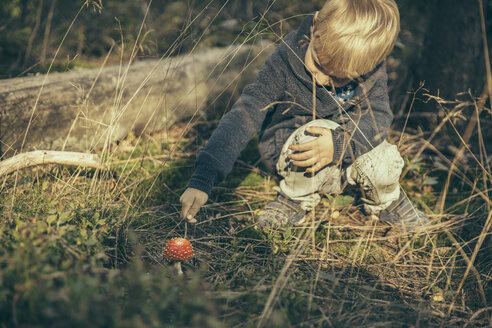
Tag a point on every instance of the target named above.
point(320, 104)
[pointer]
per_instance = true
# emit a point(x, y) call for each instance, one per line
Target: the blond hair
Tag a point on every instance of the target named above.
point(351, 37)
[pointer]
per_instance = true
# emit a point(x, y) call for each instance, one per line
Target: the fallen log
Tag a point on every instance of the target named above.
point(86, 109)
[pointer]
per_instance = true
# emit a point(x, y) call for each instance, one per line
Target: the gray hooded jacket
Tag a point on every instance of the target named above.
point(280, 100)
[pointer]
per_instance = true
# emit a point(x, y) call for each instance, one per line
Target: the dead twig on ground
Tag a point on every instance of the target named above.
point(43, 157)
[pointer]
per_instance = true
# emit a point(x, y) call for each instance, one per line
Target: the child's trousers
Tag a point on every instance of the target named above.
point(377, 172)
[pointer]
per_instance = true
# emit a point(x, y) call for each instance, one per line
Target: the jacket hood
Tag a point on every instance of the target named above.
point(295, 45)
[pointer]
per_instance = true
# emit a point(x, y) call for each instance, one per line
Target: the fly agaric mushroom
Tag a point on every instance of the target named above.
point(177, 250)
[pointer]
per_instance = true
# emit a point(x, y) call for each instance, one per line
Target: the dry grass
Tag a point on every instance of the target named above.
point(341, 268)
point(356, 268)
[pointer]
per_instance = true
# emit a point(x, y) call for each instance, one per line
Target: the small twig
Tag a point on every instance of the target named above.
point(463, 147)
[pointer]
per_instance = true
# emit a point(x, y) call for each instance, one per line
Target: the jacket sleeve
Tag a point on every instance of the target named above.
point(365, 124)
point(239, 125)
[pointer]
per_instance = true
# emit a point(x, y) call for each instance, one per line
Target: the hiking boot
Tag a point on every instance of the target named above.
point(282, 212)
point(404, 213)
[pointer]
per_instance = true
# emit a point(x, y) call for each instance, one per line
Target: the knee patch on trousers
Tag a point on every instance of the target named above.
point(378, 173)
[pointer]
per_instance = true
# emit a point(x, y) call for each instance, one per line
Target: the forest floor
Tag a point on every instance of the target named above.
point(84, 248)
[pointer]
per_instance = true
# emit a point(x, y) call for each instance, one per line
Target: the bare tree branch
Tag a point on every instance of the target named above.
point(43, 157)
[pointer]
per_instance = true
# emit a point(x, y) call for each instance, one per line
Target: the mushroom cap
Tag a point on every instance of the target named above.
point(178, 249)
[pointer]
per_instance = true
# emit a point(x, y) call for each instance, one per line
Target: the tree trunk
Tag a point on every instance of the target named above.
point(452, 63)
point(453, 57)
point(81, 110)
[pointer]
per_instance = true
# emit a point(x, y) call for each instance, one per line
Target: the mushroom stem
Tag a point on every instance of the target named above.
point(177, 268)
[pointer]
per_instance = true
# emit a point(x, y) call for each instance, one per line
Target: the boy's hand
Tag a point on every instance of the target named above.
point(191, 201)
point(314, 154)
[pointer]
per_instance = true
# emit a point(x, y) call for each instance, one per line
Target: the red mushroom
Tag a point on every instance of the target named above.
point(177, 250)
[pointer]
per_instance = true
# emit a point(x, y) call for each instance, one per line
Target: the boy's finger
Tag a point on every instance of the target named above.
point(191, 219)
point(186, 203)
point(185, 207)
point(306, 163)
point(302, 156)
point(315, 168)
point(193, 210)
point(304, 146)
point(317, 130)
